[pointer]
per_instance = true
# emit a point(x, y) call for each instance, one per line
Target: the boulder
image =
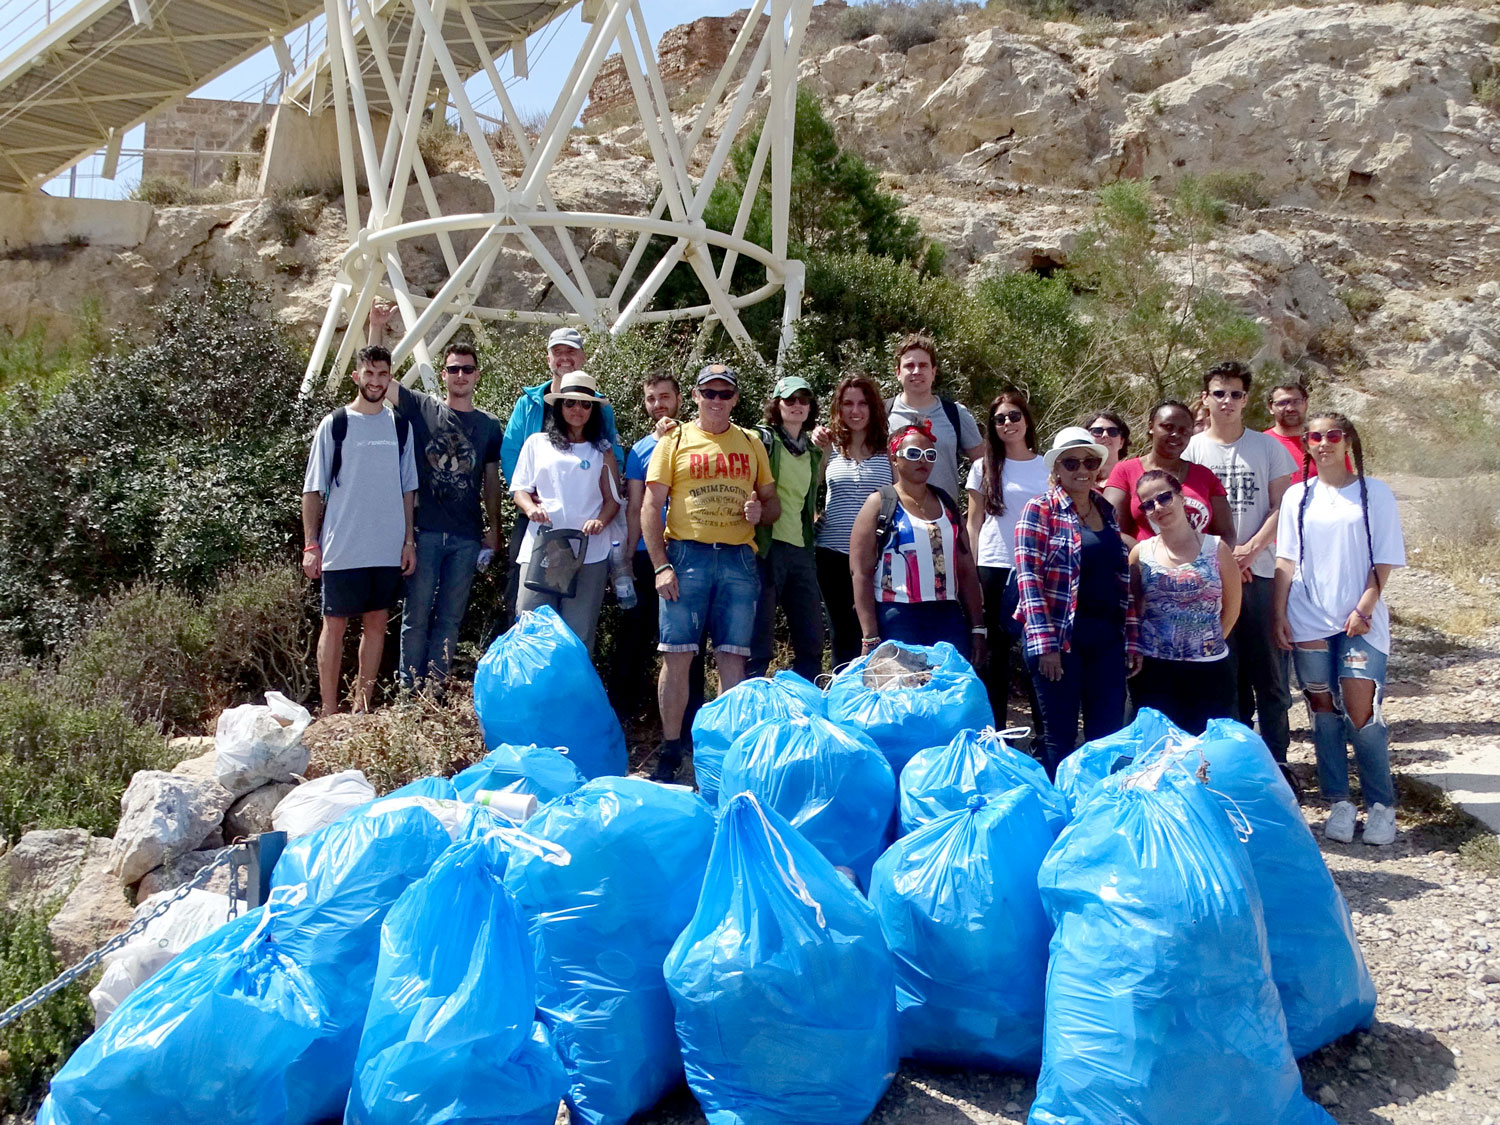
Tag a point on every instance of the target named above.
point(251, 814)
point(95, 909)
point(164, 815)
point(42, 866)
point(176, 872)
point(189, 746)
point(204, 767)
point(848, 69)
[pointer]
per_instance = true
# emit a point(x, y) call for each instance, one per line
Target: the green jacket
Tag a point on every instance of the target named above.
point(775, 449)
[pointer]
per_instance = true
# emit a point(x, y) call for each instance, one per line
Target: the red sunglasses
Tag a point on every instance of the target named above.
point(1314, 437)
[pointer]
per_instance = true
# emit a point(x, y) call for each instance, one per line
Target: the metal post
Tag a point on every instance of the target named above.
point(265, 850)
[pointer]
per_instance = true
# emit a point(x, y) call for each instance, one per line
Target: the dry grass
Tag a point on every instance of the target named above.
point(415, 737)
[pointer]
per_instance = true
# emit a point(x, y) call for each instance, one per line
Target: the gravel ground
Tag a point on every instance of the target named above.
point(1427, 911)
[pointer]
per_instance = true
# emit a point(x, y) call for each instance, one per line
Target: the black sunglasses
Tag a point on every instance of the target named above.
point(1006, 417)
point(712, 393)
point(1160, 500)
point(1105, 431)
point(466, 368)
point(1073, 464)
point(1221, 393)
point(584, 403)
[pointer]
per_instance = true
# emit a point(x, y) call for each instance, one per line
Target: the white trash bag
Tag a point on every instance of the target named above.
point(318, 803)
point(196, 915)
point(256, 744)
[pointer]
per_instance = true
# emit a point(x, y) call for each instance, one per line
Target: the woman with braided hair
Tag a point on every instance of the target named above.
point(1338, 538)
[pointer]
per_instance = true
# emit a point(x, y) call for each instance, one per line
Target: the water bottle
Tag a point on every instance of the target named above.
point(619, 563)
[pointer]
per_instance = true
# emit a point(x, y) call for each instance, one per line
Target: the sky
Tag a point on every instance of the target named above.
point(550, 54)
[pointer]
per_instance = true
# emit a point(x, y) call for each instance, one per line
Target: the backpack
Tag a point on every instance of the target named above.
point(886, 521)
point(950, 412)
point(340, 431)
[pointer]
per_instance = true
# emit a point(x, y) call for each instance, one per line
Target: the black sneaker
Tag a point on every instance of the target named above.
point(668, 762)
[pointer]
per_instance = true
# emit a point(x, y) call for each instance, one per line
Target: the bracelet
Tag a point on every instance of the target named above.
point(664, 566)
point(869, 640)
point(980, 630)
point(1365, 617)
point(314, 547)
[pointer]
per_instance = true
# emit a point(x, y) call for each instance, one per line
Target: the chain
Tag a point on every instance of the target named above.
point(235, 856)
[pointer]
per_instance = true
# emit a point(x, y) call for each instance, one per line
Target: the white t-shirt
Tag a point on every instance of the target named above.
point(1019, 482)
point(1335, 565)
point(566, 484)
point(1246, 469)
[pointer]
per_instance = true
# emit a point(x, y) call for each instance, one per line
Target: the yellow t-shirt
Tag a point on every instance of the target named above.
point(710, 476)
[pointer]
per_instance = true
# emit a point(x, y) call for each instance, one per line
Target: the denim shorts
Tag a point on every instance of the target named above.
point(718, 587)
point(1345, 658)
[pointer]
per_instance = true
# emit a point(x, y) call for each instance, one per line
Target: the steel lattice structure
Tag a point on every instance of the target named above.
point(401, 51)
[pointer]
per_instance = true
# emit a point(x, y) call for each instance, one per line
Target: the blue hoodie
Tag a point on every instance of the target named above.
point(526, 419)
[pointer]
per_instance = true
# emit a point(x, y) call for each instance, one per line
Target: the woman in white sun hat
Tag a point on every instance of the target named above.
point(565, 478)
point(1079, 622)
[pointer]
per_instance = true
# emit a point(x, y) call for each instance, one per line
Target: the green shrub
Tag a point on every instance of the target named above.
point(173, 191)
point(262, 624)
point(32, 1048)
point(1360, 302)
point(64, 763)
point(1243, 189)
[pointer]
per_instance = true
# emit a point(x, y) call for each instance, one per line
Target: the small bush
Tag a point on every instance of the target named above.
point(1242, 189)
point(444, 148)
point(1360, 302)
point(64, 764)
point(417, 737)
point(171, 191)
point(262, 624)
point(32, 1048)
point(1487, 88)
point(285, 221)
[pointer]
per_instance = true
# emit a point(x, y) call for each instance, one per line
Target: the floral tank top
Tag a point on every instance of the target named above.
point(1180, 620)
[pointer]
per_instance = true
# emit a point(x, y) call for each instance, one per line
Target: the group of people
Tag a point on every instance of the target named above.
point(1193, 577)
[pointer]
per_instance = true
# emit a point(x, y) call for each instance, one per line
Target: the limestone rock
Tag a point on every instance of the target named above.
point(164, 815)
point(188, 747)
point(178, 871)
point(95, 909)
point(848, 69)
point(251, 814)
point(42, 866)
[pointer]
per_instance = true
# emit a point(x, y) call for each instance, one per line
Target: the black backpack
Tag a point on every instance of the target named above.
point(341, 430)
point(889, 501)
point(950, 412)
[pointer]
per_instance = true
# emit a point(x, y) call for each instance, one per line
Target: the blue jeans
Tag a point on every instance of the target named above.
point(1355, 658)
point(1093, 682)
point(718, 588)
point(924, 623)
point(437, 594)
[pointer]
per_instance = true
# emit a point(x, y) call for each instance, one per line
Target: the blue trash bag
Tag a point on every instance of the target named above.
point(807, 691)
point(831, 784)
point(600, 926)
point(448, 1037)
point(907, 713)
point(720, 721)
point(1160, 1002)
point(782, 982)
point(940, 780)
point(1316, 962)
point(537, 684)
point(1081, 771)
point(540, 771)
point(438, 788)
point(959, 907)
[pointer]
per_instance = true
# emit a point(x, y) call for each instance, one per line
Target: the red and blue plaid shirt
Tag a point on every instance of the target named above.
point(1049, 545)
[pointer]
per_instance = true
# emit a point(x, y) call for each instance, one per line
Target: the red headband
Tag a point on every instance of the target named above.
point(924, 428)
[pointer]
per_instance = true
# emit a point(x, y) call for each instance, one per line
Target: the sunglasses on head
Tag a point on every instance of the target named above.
point(1222, 394)
point(715, 393)
point(1160, 500)
point(912, 453)
point(466, 368)
point(1073, 464)
point(1006, 417)
point(1315, 437)
point(1105, 431)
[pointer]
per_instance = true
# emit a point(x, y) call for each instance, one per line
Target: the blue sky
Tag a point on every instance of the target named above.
point(550, 54)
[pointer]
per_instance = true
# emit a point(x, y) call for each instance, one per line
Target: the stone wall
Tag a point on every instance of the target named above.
point(202, 124)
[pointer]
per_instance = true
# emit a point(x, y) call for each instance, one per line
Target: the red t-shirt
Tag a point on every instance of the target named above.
point(1198, 492)
point(1294, 447)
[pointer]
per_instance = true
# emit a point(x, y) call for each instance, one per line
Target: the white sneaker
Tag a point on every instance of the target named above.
point(1380, 826)
point(1340, 824)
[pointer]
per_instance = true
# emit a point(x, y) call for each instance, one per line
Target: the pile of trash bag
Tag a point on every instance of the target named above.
point(257, 744)
point(958, 904)
point(720, 721)
point(940, 780)
point(907, 698)
point(600, 926)
point(540, 771)
point(451, 1033)
point(537, 684)
point(810, 693)
point(832, 785)
point(782, 982)
point(1080, 773)
point(318, 803)
point(1160, 1002)
point(1326, 990)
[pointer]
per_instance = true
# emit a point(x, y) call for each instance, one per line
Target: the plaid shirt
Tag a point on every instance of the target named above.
point(1049, 541)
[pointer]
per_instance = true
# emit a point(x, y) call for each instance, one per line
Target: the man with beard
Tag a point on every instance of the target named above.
point(1288, 403)
point(458, 465)
point(358, 497)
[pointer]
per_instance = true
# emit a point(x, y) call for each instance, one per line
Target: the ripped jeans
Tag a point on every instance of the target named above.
point(1321, 670)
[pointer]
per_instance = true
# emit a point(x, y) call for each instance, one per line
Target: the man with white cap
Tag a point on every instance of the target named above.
point(714, 480)
point(564, 355)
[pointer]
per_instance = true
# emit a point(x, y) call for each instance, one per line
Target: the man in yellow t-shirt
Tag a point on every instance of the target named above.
point(717, 478)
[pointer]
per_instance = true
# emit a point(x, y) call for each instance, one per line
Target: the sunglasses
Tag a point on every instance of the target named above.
point(1073, 464)
point(1222, 394)
point(578, 403)
point(1315, 437)
point(1006, 417)
point(912, 453)
point(797, 400)
point(465, 368)
point(1160, 500)
point(711, 393)
point(1105, 431)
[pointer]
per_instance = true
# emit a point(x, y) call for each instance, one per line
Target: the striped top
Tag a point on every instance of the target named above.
point(850, 484)
point(917, 564)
